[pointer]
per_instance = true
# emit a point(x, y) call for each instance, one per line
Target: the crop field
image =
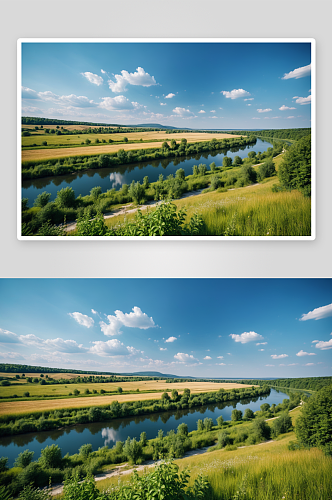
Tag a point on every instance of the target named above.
point(150, 385)
point(71, 140)
point(16, 406)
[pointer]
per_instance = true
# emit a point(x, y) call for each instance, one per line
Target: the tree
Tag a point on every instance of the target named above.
point(175, 395)
point(173, 144)
point(3, 464)
point(220, 421)
point(146, 182)
point(165, 397)
point(252, 155)
point(125, 139)
point(223, 439)
point(87, 141)
point(180, 174)
point(295, 170)
point(248, 174)
point(265, 407)
point(261, 429)
point(195, 170)
point(137, 192)
point(95, 192)
point(237, 161)
point(85, 450)
point(200, 425)
point(236, 415)
point(119, 390)
point(165, 145)
point(227, 162)
point(202, 169)
point(182, 429)
point(212, 166)
point(186, 393)
point(143, 441)
point(281, 424)
point(314, 425)
point(42, 199)
point(50, 457)
point(208, 424)
point(248, 414)
point(65, 197)
point(25, 204)
point(266, 169)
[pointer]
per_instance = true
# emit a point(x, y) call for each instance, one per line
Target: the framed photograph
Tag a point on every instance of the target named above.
point(176, 138)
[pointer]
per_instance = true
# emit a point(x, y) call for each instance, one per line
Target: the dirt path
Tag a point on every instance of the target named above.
point(125, 211)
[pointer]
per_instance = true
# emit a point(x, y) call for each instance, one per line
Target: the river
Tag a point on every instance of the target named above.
point(107, 433)
point(115, 177)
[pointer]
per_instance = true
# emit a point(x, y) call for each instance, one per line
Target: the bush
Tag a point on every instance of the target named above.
point(295, 170)
point(266, 169)
point(260, 429)
point(51, 457)
point(42, 199)
point(236, 415)
point(65, 197)
point(24, 459)
point(281, 425)
point(31, 493)
point(133, 450)
point(220, 421)
point(223, 439)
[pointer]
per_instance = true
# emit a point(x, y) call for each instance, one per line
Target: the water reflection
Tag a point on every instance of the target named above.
point(115, 177)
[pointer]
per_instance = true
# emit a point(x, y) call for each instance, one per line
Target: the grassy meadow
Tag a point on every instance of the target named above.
point(266, 471)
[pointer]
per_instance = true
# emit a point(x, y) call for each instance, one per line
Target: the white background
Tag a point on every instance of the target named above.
point(177, 19)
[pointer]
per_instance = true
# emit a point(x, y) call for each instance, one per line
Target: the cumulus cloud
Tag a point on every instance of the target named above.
point(29, 93)
point(283, 107)
point(112, 348)
point(140, 77)
point(67, 100)
point(7, 337)
point(303, 100)
point(290, 117)
point(212, 111)
point(68, 346)
point(324, 345)
point(162, 348)
point(246, 337)
point(82, 319)
point(11, 355)
point(169, 96)
point(235, 93)
point(201, 111)
point(163, 104)
point(221, 364)
point(135, 319)
point(269, 365)
point(266, 110)
point(256, 118)
point(298, 73)
point(93, 311)
point(309, 364)
point(318, 313)
point(118, 103)
point(171, 339)
point(185, 358)
point(183, 112)
point(220, 357)
point(303, 353)
point(97, 80)
point(261, 343)
point(207, 357)
point(249, 99)
point(261, 349)
point(278, 356)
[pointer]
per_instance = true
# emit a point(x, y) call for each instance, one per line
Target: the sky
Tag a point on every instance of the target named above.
point(189, 85)
point(196, 327)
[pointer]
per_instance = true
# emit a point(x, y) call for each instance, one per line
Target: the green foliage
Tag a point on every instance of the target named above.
point(65, 197)
point(237, 161)
point(3, 464)
point(260, 429)
point(48, 229)
point(182, 429)
point(137, 192)
point(208, 424)
point(95, 192)
point(227, 162)
point(85, 450)
point(236, 415)
point(314, 425)
point(212, 166)
point(281, 425)
point(220, 421)
point(266, 169)
point(4, 493)
point(200, 425)
point(24, 459)
point(86, 490)
point(31, 493)
point(180, 174)
point(133, 450)
point(248, 414)
point(223, 439)
point(51, 457)
point(295, 170)
point(24, 204)
point(195, 170)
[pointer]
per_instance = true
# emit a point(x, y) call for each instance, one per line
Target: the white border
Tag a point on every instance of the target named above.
point(312, 41)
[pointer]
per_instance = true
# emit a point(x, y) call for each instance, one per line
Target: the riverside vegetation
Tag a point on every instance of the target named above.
point(285, 212)
point(284, 468)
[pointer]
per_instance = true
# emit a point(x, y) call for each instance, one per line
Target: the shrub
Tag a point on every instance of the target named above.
point(133, 450)
point(31, 493)
point(220, 421)
point(260, 429)
point(266, 169)
point(51, 457)
point(24, 459)
point(236, 415)
point(223, 439)
point(85, 450)
point(281, 425)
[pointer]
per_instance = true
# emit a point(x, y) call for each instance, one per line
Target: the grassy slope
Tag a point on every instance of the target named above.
point(249, 211)
point(272, 472)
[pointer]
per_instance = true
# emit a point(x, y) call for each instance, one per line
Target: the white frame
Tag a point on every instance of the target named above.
point(312, 41)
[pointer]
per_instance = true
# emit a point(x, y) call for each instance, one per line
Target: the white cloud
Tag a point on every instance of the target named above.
point(212, 111)
point(97, 80)
point(135, 319)
point(246, 337)
point(11, 355)
point(120, 102)
point(298, 73)
point(31, 109)
point(220, 357)
point(29, 93)
point(318, 313)
point(221, 364)
point(283, 107)
point(162, 348)
point(324, 345)
point(201, 111)
point(140, 77)
point(171, 339)
point(261, 349)
point(290, 117)
point(266, 110)
point(207, 357)
point(303, 100)
point(248, 104)
point(112, 348)
point(163, 104)
point(256, 118)
point(235, 93)
point(309, 364)
point(82, 319)
point(213, 117)
point(103, 72)
point(249, 99)
point(261, 343)
point(93, 311)
point(278, 356)
point(303, 353)
point(269, 365)
point(67, 100)
point(169, 96)
point(68, 346)
point(7, 337)
point(185, 358)
point(183, 112)
point(292, 364)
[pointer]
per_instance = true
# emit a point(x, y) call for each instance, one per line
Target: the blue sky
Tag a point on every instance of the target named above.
point(191, 85)
point(197, 327)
